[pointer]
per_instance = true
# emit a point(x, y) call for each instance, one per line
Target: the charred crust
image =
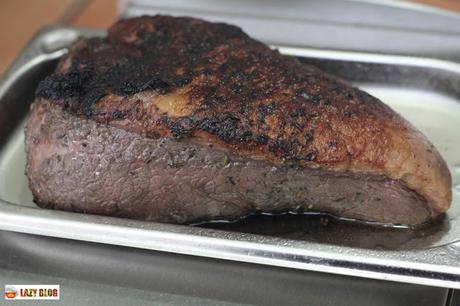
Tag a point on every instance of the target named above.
point(182, 127)
point(114, 65)
point(117, 115)
point(332, 143)
point(298, 112)
point(237, 89)
point(308, 136)
point(226, 127)
point(261, 139)
point(284, 148)
point(311, 156)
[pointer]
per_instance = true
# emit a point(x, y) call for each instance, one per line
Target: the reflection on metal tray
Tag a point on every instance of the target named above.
point(425, 91)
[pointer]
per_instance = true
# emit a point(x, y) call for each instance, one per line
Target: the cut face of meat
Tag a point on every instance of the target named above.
point(81, 163)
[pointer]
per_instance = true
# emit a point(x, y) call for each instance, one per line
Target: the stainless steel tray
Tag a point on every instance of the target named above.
point(425, 91)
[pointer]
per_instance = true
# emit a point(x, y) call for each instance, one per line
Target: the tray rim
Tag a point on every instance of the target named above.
point(215, 243)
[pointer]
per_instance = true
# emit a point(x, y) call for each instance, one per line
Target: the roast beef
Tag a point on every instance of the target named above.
point(181, 120)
